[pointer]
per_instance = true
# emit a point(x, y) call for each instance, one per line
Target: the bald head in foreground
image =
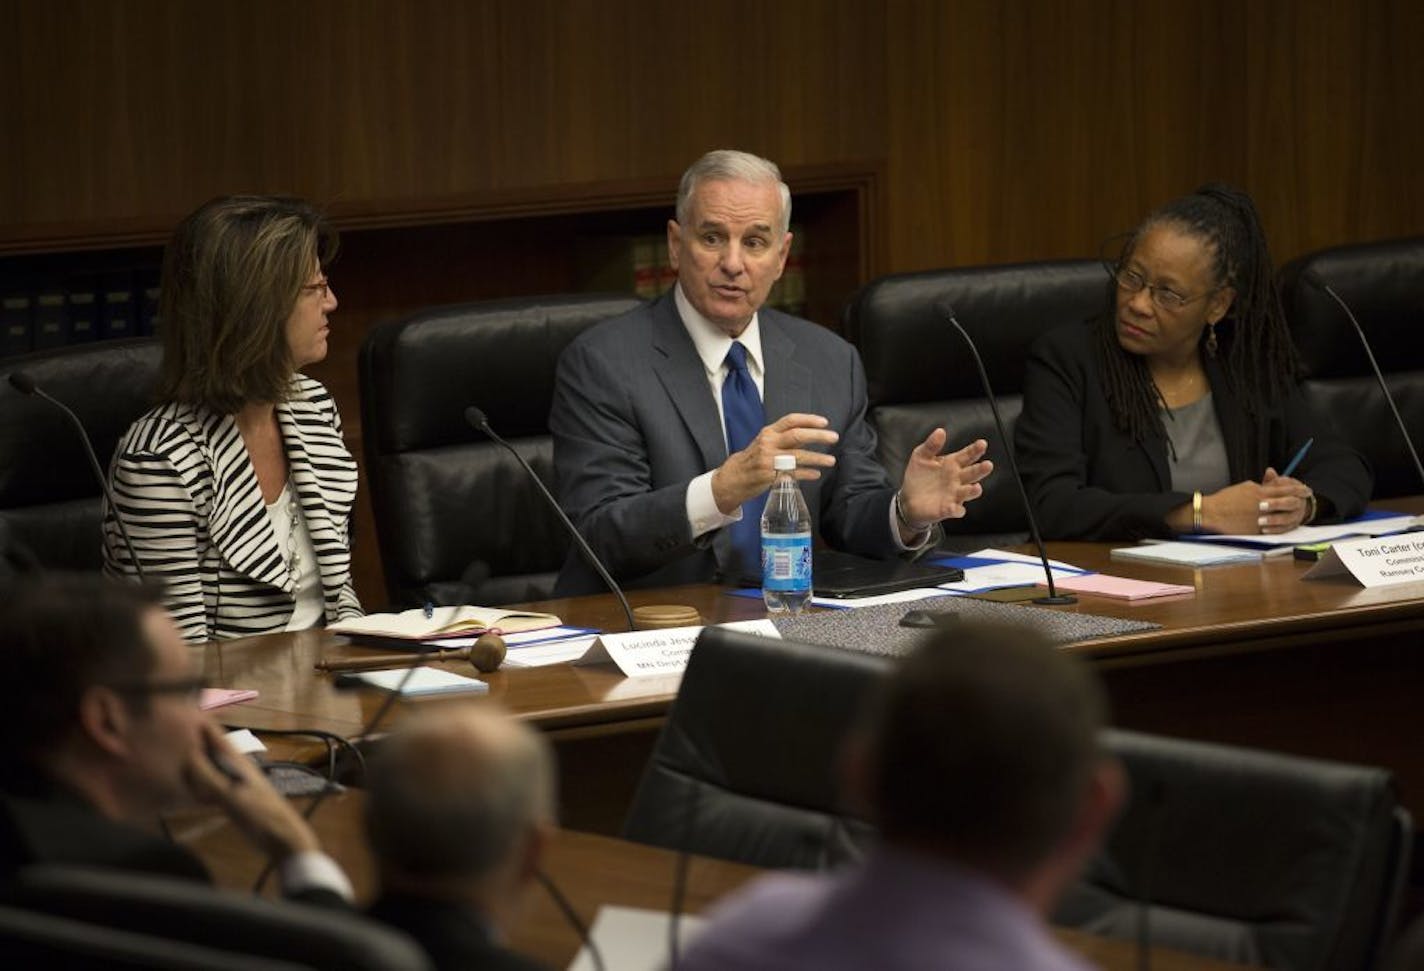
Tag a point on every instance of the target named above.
point(461, 807)
point(979, 761)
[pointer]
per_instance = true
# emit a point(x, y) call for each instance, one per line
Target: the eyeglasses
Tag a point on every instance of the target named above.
point(1130, 281)
point(322, 287)
point(192, 688)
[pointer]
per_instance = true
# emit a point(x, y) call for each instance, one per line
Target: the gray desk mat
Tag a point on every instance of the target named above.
point(877, 630)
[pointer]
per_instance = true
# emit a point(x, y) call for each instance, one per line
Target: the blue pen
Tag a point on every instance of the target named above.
point(430, 607)
point(1298, 456)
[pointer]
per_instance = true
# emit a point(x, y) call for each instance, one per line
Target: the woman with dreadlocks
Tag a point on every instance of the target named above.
point(1173, 413)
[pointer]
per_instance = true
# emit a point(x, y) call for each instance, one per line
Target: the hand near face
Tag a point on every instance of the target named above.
point(938, 486)
point(249, 800)
point(748, 473)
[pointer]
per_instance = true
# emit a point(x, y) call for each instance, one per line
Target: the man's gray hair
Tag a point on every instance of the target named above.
point(728, 164)
point(451, 795)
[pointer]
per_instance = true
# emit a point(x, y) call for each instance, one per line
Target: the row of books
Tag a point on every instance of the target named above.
point(640, 264)
point(77, 310)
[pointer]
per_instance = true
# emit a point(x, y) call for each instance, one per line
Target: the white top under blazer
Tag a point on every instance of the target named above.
point(188, 493)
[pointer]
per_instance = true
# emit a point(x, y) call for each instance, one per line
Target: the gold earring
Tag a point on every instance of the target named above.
point(1211, 339)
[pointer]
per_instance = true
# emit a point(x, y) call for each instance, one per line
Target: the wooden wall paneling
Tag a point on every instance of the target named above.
point(1032, 130)
point(134, 113)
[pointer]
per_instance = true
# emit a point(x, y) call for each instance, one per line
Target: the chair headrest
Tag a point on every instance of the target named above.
point(911, 354)
point(420, 373)
point(1382, 282)
point(107, 384)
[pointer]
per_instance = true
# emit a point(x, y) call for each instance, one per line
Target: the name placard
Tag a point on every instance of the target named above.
point(1376, 561)
point(650, 653)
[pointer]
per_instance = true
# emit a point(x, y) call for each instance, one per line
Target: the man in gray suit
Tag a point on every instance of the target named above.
point(666, 419)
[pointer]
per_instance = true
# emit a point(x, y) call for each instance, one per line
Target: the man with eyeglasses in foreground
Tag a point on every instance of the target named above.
point(103, 732)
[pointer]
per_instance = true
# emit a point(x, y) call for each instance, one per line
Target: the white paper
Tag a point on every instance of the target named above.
point(244, 741)
point(555, 652)
point(1184, 554)
point(1373, 561)
point(993, 554)
point(900, 596)
point(1302, 535)
point(998, 576)
point(764, 627)
point(423, 681)
point(632, 939)
point(644, 653)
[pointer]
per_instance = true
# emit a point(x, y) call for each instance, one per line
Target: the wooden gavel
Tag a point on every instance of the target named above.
point(486, 654)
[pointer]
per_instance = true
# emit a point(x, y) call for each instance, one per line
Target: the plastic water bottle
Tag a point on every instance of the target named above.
point(785, 542)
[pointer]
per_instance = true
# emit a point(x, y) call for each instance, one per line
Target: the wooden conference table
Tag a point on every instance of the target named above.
point(1255, 657)
point(590, 870)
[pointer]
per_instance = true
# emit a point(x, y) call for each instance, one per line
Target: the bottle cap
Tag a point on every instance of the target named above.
point(784, 463)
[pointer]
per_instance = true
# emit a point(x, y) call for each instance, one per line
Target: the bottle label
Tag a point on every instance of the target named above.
point(786, 561)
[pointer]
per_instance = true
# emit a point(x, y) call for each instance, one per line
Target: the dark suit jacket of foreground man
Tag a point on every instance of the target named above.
point(43, 822)
point(634, 421)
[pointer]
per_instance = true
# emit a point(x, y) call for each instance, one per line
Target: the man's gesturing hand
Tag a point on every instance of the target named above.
point(748, 473)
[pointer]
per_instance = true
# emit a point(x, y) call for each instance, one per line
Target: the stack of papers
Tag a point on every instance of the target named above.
point(554, 645)
point(1367, 525)
point(984, 570)
point(423, 681)
point(1184, 554)
point(991, 569)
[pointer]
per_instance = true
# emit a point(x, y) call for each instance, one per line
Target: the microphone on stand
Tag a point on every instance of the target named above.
point(476, 417)
point(1317, 281)
point(23, 383)
point(945, 309)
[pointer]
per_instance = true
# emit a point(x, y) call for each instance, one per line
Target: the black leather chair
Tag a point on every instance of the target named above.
point(745, 767)
point(1383, 283)
point(292, 933)
point(457, 519)
point(49, 500)
point(921, 375)
point(33, 940)
point(1249, 856)
point(1408, 953)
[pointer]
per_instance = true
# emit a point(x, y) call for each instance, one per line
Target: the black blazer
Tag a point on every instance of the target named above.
point(41, 822)
point(454, 936)
point(39, 825)
point(1088, 480)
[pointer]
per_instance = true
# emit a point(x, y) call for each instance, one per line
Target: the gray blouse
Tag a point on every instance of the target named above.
point(1197, 457)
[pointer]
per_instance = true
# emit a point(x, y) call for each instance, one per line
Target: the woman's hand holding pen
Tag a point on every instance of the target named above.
point(1276, 504)
point(1285, 504)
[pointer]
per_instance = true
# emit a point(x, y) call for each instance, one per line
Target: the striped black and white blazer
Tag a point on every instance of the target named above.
point(189, 496)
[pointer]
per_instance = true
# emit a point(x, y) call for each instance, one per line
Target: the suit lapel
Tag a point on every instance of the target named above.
point(685, 380)
point(787, 382)
point(238, 522)
point(332, 554)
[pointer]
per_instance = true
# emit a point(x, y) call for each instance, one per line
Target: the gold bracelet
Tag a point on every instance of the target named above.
point(1196, 512)
point(1311, 512)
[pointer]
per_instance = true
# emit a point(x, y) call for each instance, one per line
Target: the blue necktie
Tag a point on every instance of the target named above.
point(745, 418)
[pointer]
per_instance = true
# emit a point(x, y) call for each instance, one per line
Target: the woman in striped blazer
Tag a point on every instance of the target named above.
point(237, 489)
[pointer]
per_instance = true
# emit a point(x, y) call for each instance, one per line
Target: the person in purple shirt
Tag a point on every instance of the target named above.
point(979, 760)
